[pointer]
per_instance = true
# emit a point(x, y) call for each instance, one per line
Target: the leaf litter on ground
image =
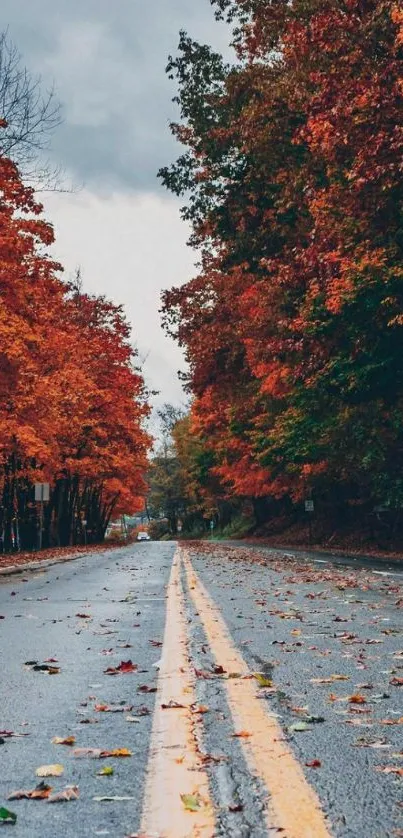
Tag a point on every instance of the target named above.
point(191, 802)
point(98, 753)
point(55, 770)
point(66, 740)
point(123, 669)
point(64, 796)
point(40, 792)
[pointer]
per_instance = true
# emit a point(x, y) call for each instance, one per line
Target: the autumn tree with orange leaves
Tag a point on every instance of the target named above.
point(293, 172)
point(72, 401)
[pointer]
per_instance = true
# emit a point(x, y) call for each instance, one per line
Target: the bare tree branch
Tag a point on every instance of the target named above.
point(29, 117)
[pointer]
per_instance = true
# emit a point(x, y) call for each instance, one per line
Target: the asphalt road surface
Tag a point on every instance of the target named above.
point(263, 698)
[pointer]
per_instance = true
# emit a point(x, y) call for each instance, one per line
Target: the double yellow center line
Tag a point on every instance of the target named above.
point(176, 777)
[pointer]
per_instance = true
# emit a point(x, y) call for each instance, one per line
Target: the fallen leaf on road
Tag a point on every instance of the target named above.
point(314, 763)
point(42, 667)
point(298, 727)
point(40, 792)
point(140, 711)
point(242, 734)
point(390, 769)
point(396, 682)
point(133, 720)
point(6, 816)
point(50, 771)
point(111, 799)
point(67, 740)
point(123, 668)
point(145, 689)
point(9, 734)
point(98, 753)
point(365, 742)
point(106, 771)
point(191, 802)
point(84, 616)
point(113, 708)
point(262, 680)
point(330, 679)
point(357, 699)
point(69, 793)
point(172, 705)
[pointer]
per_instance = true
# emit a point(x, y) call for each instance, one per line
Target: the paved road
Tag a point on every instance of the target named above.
point(302, 662)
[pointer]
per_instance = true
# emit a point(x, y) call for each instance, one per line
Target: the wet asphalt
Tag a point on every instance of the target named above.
point(123, 595)
point(294, 620)
point(298, 623)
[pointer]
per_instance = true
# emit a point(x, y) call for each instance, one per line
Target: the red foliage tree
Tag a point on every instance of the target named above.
point(72, 403)
point(293, 327)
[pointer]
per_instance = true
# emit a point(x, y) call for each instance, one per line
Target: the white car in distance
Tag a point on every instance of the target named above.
point(143, 536)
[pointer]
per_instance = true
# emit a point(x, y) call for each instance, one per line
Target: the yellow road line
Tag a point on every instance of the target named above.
point(292, 805)
point(174, 766)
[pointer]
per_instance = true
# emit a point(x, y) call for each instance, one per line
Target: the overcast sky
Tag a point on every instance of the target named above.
point(107, 61)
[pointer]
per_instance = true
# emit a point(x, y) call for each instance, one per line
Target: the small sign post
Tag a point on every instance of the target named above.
point(42, 493)
point(310, 509)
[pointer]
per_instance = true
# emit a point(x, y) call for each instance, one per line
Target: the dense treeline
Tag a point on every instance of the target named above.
point(72, 403)
point(293, 328)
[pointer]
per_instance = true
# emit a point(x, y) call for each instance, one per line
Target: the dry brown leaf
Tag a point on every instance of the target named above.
point(117, 752)
point(69, 793)
point(113, 708)
point(40, 792)
point(67, 740)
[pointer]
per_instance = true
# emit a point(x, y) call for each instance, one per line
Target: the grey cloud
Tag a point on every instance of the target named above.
point(107, 60)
